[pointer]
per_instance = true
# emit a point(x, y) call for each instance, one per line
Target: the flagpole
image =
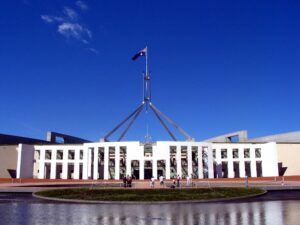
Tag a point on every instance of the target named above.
point(146, 61)
point(146, 80)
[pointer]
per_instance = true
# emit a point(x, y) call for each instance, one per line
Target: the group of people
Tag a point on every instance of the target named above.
point(161, 181)
point(175, 183)
point(127, 181)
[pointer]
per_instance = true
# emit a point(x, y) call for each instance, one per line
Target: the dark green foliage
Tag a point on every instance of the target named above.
point(149, 194)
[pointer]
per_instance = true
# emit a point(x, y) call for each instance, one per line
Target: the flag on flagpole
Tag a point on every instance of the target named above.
point(140, 53)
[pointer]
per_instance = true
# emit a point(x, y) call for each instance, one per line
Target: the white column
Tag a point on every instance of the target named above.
point(141, 164)
point(242, 163)
point(200, 164)
point(42, 164)
point(117, 163)
point(128, 166)
point(25, 161)
point(253, 168)
point(76, 164)
point(90, 163)
point(53, 165)
point(218, 163)
point(85, 164)
point(269, 159)
point(178, 160)
point(154, 168)
point(168, 170)
point(95, 172)
point(65, 165)
point(106, 162)
point(253, 162)
point(189, 160)
point(19, 162)
point(230, 163)
point(210, 162)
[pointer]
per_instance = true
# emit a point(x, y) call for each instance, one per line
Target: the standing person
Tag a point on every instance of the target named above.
point(152, 182)
point(188, 181)
point(161, 180)
point(174, 184)
point(124, 181)
point(129, 181)
point(178, 180)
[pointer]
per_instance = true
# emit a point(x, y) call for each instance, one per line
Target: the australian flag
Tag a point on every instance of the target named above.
point(140, 53)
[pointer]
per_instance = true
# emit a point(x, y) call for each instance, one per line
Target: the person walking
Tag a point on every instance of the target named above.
point(161, 180)
point(152, 182)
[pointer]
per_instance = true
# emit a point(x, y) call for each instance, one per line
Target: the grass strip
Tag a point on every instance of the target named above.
point(119, 194)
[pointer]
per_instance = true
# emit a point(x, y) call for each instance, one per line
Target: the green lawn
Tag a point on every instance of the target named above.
point(148, 194)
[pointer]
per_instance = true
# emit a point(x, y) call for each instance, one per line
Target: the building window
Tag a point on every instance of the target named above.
point(224, 153)
point(184, 162)
point(59, 154)
point(257, 153)
point(122, 161)
point(81, 154)
point(48, 154)
point(37, 154)
point(205, 162)
point(111, 162)
point(195, 161)
point(246, 153)
point(71, 154)
point(173, 163)
point(148, 152)
point(101, 155)
point(235, 153)
point(214, 153)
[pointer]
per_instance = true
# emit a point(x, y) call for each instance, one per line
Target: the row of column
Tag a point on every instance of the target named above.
point(95, 151)
point(64, 162)
point(87, 163)
point(240, 160)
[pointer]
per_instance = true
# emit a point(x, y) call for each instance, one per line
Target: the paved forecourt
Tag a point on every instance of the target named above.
point(32, 185)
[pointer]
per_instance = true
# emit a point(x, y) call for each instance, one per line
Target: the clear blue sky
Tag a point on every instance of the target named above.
point(217, 66)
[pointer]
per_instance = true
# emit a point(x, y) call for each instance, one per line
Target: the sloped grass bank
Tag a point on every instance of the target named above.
point(149, 195)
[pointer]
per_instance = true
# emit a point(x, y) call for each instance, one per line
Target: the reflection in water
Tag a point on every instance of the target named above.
point(258, 213)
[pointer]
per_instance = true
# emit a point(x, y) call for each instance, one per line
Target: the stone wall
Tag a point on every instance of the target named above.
point(8, 160)
point(289, 159)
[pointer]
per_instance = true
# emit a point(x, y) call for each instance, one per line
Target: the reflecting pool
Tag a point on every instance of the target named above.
point(27, 210)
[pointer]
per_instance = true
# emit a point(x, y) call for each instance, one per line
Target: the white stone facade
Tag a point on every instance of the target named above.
point(114, 160)
point(245, 159)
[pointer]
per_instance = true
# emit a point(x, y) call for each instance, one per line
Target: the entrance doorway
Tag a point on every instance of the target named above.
point(58, 171)
point(148, 170)
point(248, 169)
point(236, 169)
point(224, 169)
point(101, 163)
point(135, 169)
point(47, 171)
point(71, 171)
point(161, 168)
point(80, 170)
point(259, 169)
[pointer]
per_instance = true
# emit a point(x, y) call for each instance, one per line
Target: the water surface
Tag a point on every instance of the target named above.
point(23, 209)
